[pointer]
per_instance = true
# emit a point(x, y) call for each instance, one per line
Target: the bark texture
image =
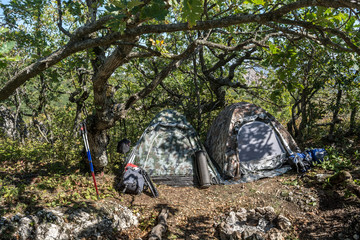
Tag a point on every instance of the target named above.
point(161, 227)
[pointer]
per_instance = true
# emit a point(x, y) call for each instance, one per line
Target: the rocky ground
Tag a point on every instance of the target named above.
point(315, 209)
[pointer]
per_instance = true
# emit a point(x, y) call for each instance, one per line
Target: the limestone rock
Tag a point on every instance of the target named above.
point(59, 224)
point(253, 224)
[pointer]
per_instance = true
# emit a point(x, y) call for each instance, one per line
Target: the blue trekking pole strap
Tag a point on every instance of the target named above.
point(87, 148)
point(86, 142)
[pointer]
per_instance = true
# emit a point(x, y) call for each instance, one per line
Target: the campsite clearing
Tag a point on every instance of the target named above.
point(316, 210)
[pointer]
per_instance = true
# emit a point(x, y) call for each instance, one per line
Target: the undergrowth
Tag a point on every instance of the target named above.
point(337, 160)
point(36, 175)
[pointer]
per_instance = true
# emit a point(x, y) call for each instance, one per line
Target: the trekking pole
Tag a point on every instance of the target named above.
point(86, 142)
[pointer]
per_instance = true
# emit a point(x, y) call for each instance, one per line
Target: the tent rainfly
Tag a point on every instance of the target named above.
point(247, 143)
point(170, 151)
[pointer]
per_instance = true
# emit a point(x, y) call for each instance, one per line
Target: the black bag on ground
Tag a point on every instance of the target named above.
point(136, 180)
point(123, 146)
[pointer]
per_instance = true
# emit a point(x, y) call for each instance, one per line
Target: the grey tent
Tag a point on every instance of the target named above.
point(168, 150)
point(247, 143)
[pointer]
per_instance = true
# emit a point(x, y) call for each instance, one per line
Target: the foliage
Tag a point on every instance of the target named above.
point(5, 48)
point(39, 178)
point(357, 181)
point(294, 182)
point(335, 160)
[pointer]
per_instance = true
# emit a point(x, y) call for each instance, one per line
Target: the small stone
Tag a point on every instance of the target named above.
point(15, 218)
point(274, 234)
point(25, 228)
point(283, 222)
point(246, 234)
point(260, 210)
point(236, 235)
point(269, 209)
point(322, 177)
point(270, 214)
point(242, 215)
point(231, 219)
point(262, 224)
point(356, 237)
point(284, 194)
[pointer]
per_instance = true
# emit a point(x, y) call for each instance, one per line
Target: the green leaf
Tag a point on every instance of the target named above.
point(6, 47)
point(350, 24)
point(157, 9)
point(112, 8)
point(134, 3)
point(273, 48)
point(356, 67)
point(260, 2)
point(3, 30)
point(340, 16)
point(117, 24)
point(125, 4)
point(192, 11)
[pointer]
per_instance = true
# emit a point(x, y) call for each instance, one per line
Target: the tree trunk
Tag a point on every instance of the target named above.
point(336, 113)
point(197, 93)
point(98, 142)
point(291, 125)
point(352, 119)
point(304, 115)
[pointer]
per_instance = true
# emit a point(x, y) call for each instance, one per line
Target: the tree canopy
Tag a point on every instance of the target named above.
point(107, 46)
point(120, 24)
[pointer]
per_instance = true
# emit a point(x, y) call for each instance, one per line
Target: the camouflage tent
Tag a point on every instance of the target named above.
point(247, 143)
point(167, 150)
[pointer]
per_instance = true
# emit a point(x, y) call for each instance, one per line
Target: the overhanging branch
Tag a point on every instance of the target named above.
point(79, 42)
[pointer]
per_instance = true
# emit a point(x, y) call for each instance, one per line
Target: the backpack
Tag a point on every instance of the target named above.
point(123, 146)
point(301, 162)
point(135, 180)
point(317, 154)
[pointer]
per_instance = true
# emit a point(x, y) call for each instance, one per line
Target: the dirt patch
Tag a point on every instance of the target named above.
point(315, 210)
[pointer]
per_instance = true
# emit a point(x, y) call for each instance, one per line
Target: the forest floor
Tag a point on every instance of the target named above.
point(315, 209)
